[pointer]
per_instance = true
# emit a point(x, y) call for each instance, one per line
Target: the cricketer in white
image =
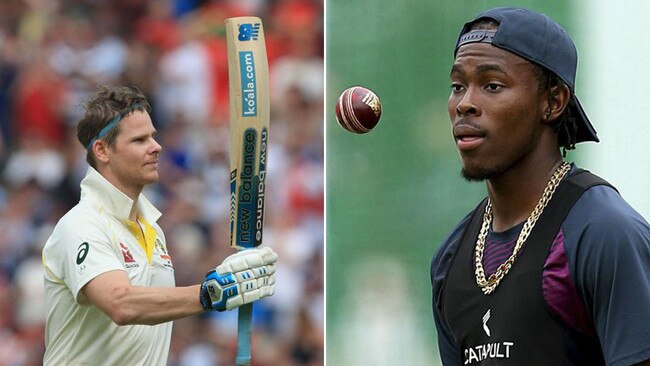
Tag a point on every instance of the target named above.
point(93, 238)
point(110, 293)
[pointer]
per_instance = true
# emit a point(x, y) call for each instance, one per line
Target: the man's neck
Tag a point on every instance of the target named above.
point(515, 193)
point(131, 191)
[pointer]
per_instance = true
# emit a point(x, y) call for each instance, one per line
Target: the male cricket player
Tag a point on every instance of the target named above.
point(109, 280)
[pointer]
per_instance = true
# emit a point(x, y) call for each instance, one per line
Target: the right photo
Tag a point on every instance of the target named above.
point(486, 183)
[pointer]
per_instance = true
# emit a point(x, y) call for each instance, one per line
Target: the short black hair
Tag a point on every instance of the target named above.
point(565, 125)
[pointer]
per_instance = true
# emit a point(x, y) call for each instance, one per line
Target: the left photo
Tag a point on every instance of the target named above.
point(161, 182)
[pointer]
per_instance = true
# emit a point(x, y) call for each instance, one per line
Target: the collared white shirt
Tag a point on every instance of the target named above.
point(95, 237)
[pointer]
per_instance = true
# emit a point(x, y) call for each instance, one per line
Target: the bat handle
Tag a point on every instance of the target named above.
point(244, 320)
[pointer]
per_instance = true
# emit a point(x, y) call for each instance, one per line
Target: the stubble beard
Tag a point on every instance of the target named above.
point(482, 173)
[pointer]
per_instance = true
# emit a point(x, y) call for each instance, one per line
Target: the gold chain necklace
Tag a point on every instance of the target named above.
point(488, 285)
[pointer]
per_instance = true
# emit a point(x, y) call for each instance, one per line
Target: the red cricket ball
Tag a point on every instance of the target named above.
point(358, 109)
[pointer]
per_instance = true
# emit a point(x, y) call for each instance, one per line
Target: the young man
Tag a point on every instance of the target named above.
point(553, 267)
point(109, 281)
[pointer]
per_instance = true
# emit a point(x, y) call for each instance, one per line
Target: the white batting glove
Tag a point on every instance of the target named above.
point(242, 278)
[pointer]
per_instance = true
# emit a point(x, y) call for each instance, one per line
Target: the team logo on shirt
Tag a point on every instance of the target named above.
point(163, 251)
point(164, 255)
point(128, 257)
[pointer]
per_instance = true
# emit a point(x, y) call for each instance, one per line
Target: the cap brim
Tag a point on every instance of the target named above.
point(586, 131)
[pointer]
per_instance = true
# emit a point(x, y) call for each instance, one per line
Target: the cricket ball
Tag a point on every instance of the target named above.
point(358, 109)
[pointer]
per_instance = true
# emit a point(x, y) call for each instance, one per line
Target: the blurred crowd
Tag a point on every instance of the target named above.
point(53, 53)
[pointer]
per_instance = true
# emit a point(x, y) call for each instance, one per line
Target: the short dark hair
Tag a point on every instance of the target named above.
point(102, 107)
point(565, 125)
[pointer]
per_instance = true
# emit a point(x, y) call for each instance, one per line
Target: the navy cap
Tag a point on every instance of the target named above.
point(538, 39)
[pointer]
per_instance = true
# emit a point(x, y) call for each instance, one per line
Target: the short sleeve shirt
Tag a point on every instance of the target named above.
point(605, 245)
point(96, 237)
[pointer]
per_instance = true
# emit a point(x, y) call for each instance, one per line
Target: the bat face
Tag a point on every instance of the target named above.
point(249, 121)
point(247, 187)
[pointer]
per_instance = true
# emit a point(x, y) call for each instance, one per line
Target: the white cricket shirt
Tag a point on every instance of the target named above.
point(95, 237)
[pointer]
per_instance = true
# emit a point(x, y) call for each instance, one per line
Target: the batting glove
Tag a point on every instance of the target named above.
point(242, 278)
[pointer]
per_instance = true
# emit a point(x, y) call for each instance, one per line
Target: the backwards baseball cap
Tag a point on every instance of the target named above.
point(538, 39)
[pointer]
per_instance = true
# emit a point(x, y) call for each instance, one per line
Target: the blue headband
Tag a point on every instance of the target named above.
point(112, 124)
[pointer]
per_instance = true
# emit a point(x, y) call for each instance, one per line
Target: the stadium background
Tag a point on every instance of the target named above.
point(394, 194)
point(54, 52)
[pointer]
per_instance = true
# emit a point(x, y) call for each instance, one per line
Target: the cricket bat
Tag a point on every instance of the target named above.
point(248, 74)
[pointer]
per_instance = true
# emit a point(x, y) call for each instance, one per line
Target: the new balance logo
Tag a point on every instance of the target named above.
point(486, 317)
point(249, 31)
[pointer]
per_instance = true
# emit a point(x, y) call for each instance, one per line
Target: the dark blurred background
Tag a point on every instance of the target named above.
point(55, 52)
point(394, 194)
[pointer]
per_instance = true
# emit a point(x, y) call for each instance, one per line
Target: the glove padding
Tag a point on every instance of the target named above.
point(242, 278)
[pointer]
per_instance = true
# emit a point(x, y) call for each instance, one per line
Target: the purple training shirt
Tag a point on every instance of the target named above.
point(559, 292)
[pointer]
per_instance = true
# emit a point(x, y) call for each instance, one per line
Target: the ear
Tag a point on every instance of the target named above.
point(100, 150)
point(557, 101)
